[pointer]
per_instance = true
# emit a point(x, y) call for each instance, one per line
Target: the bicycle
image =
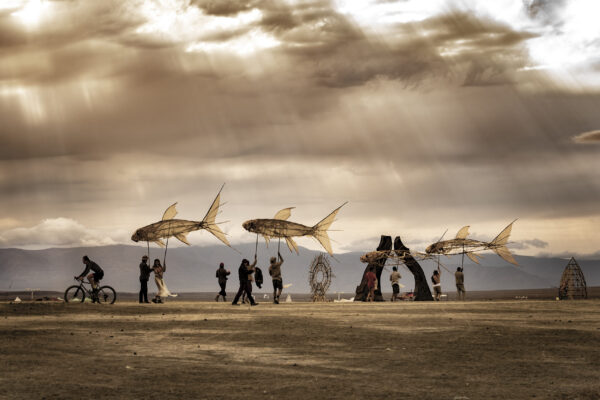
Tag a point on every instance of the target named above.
point(102, 295)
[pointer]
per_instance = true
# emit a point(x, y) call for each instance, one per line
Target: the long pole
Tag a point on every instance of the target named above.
point(256, 247)
point(166, 248)
point(148, 243)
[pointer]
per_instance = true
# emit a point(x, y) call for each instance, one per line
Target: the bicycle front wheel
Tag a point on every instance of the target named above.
point(74, 294)
point(106, 295)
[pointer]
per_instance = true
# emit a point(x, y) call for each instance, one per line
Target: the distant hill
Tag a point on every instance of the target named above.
point(192, 269)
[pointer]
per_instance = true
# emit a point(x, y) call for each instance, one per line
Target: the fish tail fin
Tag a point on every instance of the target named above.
point(209, 220)
point(499, 245)
point(320, 230)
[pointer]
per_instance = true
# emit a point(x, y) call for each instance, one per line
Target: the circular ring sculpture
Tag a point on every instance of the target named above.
point(319, 277)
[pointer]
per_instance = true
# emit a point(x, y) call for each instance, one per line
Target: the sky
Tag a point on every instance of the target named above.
point(424, 115)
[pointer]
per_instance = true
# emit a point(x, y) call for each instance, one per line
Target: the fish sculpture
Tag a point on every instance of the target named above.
point(280, 227)
point(459, 245)
point(169, 227)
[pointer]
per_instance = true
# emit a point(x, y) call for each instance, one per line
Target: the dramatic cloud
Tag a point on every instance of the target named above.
point(424, 115)
point(54, 232)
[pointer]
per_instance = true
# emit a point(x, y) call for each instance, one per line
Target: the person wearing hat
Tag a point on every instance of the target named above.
point(222, 278)
point(145, 271)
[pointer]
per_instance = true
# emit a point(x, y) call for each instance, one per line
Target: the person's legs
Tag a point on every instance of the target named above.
point(91, 280)
point(249, 293)
point(222, 292)
point(239, 292)
point(143, 291)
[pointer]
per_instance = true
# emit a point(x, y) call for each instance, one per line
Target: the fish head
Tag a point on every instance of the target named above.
point(435, 248)
point(137, 236)
point(251, 226)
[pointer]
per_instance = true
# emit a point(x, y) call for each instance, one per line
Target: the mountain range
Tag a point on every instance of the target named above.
point(192, 269)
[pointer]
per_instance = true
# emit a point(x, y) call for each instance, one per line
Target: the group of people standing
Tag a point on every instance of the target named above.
point(248, 273)
point(459, 278)
point(159, 271)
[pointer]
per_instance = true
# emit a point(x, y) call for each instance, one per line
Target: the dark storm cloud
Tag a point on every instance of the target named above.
point(588, 137)
point(339, 54)
point(432, 116)
point(224, 7)
point(547, 11)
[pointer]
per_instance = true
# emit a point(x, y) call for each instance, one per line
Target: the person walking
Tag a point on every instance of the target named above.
point(251, 280)
point(145, 271)
point(222, 274)
point(395, 278)
point(459, 277)
point(244, 284)
point(275, 272)
point(437, 285)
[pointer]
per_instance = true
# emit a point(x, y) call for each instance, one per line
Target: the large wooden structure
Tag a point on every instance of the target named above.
point(421, 292)
point(572, 283)
point(362, 291)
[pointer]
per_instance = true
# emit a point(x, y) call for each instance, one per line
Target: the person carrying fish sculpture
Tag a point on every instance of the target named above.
point(437, 284)
point(251, 280)
point(275, 272)
point(244, 284)
point(395, 278)
point(145, 271)
point(163, 291)
point(222, 274)
point(96, 275)
point(371, 283)
point(459, 277)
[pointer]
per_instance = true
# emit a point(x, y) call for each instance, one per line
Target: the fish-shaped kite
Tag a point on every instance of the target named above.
point(459, 245)
point(279, 227)
point(179, 228)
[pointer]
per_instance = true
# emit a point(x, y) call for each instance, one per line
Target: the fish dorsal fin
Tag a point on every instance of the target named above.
point(284, 214)
point(182, 237)
point(473, 257)
point(463, 232)
point(159, 242)
point(170, 212)
point(291, 244)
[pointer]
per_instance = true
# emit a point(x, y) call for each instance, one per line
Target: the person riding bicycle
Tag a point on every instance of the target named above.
point(95, 276)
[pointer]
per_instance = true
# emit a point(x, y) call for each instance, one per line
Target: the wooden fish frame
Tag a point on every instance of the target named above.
point(279, 227)
point(459, 245)
point(169, 227)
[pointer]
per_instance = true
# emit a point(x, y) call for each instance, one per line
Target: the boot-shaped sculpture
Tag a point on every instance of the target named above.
point(385, 243)
point(422, 291)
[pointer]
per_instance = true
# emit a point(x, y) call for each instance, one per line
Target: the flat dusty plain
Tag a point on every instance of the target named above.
point(201, 350)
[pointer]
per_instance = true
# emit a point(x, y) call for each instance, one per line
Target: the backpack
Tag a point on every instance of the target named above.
point(258, 277)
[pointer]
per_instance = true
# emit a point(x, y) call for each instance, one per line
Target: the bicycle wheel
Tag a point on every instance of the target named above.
point(74, 294)
point(106, 295)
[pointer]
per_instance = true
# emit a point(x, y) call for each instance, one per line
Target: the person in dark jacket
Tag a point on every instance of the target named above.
point(243, 272)
point(96, 275)
point(222, 278)
point(145, 271)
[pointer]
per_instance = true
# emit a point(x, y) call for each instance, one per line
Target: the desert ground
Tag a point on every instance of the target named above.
point(202, 350)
